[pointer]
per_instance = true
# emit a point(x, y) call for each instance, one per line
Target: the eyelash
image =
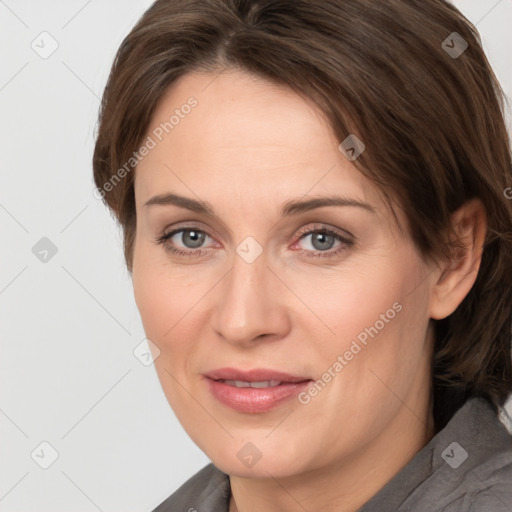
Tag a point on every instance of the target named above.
point(345, 242)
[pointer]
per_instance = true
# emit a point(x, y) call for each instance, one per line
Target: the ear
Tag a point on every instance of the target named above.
point(458, 274)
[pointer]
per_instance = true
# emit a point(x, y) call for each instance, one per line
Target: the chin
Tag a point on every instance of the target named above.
point(249, 462)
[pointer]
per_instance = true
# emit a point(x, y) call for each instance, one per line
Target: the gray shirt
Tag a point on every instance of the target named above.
point(466, 467)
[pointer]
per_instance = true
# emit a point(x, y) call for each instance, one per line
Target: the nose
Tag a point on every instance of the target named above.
point(251, 304)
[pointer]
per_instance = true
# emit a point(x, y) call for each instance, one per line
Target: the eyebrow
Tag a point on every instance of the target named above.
point(292, 207)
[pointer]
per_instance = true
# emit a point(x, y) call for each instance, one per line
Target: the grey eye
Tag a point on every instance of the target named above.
point(191, 238)
point(322, 241)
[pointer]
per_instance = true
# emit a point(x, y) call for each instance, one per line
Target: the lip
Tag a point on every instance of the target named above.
point(254, 400)
point(254, 375)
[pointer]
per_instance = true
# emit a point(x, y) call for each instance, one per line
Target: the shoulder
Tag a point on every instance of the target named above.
point(471, 461)
point(496, 494)
point(492, 483)
point(485, 488)
point(208, 490)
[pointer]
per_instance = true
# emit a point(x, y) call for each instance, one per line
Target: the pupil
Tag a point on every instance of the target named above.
point(196, 238)
point(322, 238)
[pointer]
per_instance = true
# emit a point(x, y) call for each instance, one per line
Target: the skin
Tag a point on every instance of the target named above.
point(247, 148)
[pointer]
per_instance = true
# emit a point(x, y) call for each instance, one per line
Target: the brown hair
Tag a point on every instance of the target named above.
point(432, 122)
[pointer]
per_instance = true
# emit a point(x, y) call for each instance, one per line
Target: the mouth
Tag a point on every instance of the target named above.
point(248, 384)
point(254, 391)
point(260, 377)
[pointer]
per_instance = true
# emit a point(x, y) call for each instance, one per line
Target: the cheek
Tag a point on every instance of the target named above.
point(163, 304)
point(374, 316)
point(345, 303)
point(160, 301)
point(169, 300)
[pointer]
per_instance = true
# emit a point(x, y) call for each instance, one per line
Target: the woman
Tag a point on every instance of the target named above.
point(312, 195)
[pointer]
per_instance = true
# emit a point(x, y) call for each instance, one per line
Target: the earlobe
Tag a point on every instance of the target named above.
point(458, 274)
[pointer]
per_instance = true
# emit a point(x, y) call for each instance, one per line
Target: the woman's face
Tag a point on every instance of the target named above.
point(334, 294)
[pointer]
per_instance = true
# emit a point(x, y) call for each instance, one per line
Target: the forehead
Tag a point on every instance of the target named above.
point(246, 136)
point(238, 111)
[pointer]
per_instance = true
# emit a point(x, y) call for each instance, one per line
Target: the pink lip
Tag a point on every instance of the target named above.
point(254, 400)
point(255, 375)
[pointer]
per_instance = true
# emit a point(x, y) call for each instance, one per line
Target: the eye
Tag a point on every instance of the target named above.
point(322, 240)
point(191, 238)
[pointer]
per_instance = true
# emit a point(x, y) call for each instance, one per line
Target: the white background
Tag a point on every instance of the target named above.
point(68, 327)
